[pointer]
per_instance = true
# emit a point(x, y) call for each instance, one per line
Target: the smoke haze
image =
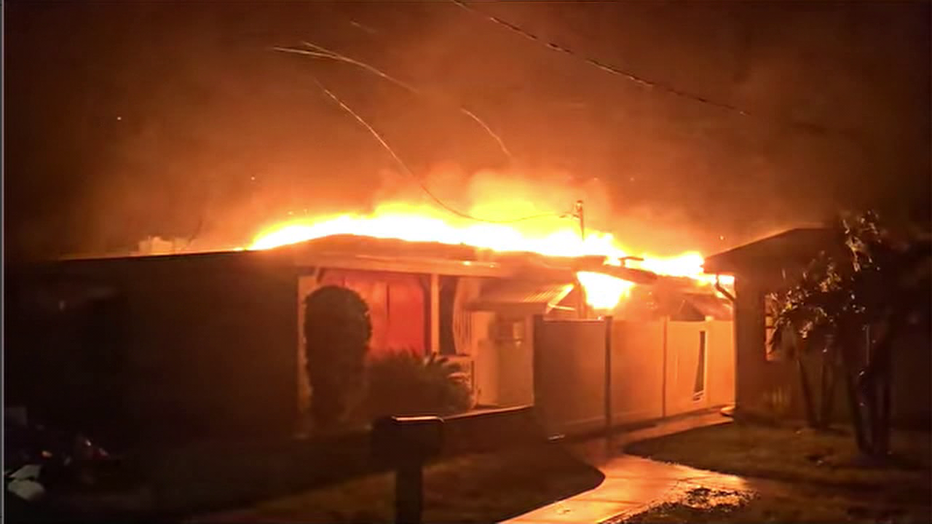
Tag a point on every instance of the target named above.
point(137, 119)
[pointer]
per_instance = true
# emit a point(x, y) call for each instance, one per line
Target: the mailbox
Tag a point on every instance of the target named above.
point(406, 439)
point(406, 443)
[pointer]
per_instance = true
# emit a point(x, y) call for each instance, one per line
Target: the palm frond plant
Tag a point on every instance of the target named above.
point(404, 383)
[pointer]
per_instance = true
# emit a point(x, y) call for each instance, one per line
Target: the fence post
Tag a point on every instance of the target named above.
point(406, 443)
point(663, 381)
point(409, 492)
point(539, 400)
point(608, 376)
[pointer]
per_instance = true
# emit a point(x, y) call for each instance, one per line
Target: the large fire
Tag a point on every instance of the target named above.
point(555, 236)
point(603, 291)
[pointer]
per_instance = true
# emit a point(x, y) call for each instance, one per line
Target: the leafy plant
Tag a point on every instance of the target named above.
point(877, 286)
point(402, 383)
point(337, 330)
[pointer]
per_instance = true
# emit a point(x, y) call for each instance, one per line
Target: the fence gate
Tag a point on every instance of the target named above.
point(570, 363)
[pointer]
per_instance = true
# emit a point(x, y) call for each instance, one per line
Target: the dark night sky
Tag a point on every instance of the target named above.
point(124, 120)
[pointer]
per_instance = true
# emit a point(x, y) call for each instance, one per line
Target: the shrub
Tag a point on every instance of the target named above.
point(337, 331)
point(402, 383)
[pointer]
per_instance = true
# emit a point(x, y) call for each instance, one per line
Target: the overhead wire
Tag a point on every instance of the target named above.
point(410, 173)
point(319, 51)
point(638, 79)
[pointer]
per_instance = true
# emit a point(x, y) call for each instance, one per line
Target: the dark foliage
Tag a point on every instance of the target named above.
point(337, 331)
point(877, 287)
point(402, 383)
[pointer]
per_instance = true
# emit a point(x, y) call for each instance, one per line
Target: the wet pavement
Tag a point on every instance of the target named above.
point(634, 484)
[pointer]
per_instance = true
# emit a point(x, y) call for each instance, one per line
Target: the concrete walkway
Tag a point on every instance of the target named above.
point(632, 484)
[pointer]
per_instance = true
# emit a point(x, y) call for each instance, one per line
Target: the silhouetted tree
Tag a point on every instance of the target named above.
point(337, 331)
point(866, 296)
point(801, 327)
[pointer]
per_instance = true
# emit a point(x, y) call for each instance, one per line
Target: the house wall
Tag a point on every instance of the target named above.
point(397, 311)
point(762, 385)
point(397, 306)
point(500, 358)
point(208, 343)
point(482, 349)
point(912, 367)
point(220, 345)
point(501, 347)
point(471, 335)
point(773, 387)
point(504, 360)
point(487, 378)
point(770, 387)
point(515, 358)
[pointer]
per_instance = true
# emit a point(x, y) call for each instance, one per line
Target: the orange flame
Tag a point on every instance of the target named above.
point(603, 291)
point(555, 236)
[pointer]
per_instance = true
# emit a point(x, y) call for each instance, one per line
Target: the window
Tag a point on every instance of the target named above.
point(699, 386)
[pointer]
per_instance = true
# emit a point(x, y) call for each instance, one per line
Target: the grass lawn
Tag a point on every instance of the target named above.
point(794, 505)
point(474, 488)
point(824, 479)
point(793, 454)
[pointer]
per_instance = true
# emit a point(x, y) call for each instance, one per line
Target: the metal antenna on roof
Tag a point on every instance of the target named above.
point(578, 213)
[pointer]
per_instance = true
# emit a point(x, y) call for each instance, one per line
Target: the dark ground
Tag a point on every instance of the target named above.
point(820, 476)
point(474, 488)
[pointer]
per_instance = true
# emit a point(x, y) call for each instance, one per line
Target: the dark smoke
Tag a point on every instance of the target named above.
point(136, 119)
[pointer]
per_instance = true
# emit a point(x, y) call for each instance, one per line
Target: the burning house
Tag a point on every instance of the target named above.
point(210, 344)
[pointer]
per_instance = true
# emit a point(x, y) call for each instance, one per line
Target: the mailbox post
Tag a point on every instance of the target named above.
point(406, 443)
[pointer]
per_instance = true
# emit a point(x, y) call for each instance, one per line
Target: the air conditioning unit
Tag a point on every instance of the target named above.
point(509, 330)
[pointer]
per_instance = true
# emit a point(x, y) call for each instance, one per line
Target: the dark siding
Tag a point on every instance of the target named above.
point(208, 342)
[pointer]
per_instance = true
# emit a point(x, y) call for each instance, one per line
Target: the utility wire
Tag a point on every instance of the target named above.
point(318, 51)
point(641, 81)
point(408, 171)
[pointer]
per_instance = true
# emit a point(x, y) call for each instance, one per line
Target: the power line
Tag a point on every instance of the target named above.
point(408, 171)
point(318, 51)
point(597, 63)
point(641, 81)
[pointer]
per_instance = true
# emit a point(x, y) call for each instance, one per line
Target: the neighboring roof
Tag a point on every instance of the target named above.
point(94, 268)
point(521, 297)
point(348, 252)
point(792, 248)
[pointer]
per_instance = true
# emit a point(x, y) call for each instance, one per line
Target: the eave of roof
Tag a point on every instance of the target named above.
point(791, 247)
point(523, 296)
point(382, 254)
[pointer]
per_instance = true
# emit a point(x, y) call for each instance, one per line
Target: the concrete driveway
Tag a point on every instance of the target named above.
point(633, 484)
